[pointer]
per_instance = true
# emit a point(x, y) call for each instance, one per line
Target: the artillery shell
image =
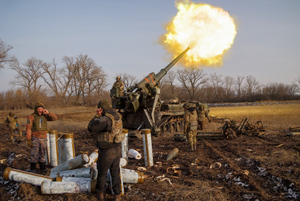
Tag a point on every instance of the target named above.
point(172, 154)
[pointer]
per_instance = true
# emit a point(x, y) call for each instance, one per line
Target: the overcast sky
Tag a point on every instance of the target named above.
point(122, 36)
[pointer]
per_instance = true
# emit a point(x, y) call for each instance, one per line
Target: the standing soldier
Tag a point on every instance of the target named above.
point(36, 133)
point(107, 127)
point(202, 115)
point(190, 124)
point(116, 91)
point(12, 123)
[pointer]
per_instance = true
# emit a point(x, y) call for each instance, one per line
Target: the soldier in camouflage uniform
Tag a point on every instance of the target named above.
point(202, 115)
point(12, 123)
point(36, 134)
point(116, 91)
point(106, 127)
point(190, 124)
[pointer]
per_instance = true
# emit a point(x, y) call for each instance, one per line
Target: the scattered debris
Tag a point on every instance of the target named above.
point(216, 165)
point(293, 134)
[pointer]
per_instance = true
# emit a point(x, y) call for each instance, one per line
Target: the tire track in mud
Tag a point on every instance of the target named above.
point(239, 170)
point(282, 145)
point(268, 181)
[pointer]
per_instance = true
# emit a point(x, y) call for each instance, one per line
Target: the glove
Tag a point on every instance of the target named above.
point(29, 143)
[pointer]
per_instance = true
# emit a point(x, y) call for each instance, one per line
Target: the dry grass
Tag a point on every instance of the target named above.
point(275, 116)
point(70, 119)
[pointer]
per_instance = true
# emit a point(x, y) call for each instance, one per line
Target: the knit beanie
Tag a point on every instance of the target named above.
point(37, 105)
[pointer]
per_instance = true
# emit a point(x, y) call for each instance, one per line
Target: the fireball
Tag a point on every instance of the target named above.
point(209, 31)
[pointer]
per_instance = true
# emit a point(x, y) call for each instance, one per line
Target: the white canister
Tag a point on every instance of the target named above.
point(48, 161)
point(147, 142)
point(68, 187)
point(124, 144)
point(129, 176)
point(72, 163)
point(66, 149)
point(132, 176)
point(134, 154)
point(53, 148)
point(93, 158)
point(22, 176)
point(80, 172)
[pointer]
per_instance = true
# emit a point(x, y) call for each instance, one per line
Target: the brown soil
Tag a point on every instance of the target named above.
point(262, 167)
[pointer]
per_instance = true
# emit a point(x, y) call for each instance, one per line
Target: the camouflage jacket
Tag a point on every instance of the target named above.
point(38, 131)
point(190, 120)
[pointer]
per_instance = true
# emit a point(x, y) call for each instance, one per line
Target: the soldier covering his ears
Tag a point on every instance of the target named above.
point(106, 127)
point(36, 134)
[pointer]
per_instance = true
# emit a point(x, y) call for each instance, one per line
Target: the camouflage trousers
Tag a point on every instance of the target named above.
point(201, 125)
point(12, 132)
point(192, 138)
point(38, 150)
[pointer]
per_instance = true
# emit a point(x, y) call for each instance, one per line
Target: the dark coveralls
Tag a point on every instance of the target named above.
point(109, 153)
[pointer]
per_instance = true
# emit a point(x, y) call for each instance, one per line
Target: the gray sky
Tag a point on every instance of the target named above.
point(122, 36)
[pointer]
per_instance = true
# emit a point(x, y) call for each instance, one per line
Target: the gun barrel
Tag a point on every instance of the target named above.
point(164, 71)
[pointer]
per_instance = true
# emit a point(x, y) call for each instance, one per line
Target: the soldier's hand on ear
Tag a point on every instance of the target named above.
point(45, 111)
point(99, 112)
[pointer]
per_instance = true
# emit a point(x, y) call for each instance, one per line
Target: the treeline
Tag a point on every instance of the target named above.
point(80, 81)
point(195, 84)
point(80, 84)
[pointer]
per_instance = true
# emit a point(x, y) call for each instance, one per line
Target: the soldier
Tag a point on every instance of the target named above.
point(12, 123)
point(190, 124)
point(116, 91)
point(36, 133)
point(107, 127)
point(120, 85)
point(202, 114)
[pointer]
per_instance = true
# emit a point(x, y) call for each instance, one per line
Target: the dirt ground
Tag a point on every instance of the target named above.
point(264, 167)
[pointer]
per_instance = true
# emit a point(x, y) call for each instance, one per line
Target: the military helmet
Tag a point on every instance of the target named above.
point(104, 104)
point(118, 78)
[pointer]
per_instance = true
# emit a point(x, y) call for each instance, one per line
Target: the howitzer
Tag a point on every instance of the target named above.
point(139, 103)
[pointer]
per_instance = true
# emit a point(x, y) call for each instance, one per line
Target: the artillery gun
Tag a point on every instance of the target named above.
point(141, 107)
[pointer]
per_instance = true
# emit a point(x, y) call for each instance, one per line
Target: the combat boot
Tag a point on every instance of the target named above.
point(117, 197)
point(43, 169)
point(32, 167)
point(100, 196)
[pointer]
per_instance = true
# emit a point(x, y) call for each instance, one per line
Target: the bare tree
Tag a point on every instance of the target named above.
point(191, 81)
point(4, 56)
point(228, 85)
point(297, 83)
point(82, 77)
point(168, 86)
point(239, 85)
point(28, 77)
point(279, 91)
point(216, 81)
point(251, 86)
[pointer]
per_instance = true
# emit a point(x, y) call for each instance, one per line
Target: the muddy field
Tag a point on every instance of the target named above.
point(264, 167)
